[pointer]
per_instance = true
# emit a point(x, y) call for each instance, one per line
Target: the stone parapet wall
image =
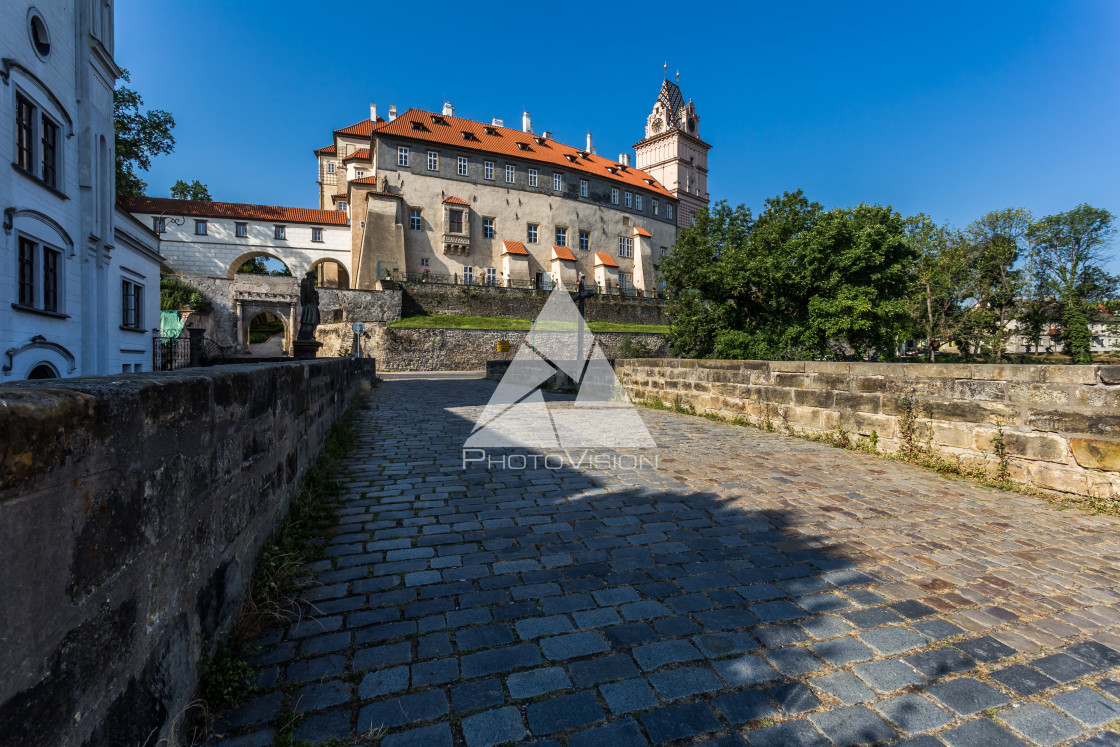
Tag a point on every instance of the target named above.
point(401, 349)
point(1061, 424)
point(132, 509)
point(523, 303)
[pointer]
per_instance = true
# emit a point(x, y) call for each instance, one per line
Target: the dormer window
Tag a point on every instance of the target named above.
point(491, 130)
point(469, 136)
point(523, 146)
point(570, 157)
point(583, 154)
point(418, 126)
point(436, 119)
point(540, 140)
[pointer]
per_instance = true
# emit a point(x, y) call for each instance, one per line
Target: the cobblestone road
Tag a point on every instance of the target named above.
point(753, 589)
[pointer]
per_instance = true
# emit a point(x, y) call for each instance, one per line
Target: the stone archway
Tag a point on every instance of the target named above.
point(330, 273)
point(294, 267)
point(249, 304)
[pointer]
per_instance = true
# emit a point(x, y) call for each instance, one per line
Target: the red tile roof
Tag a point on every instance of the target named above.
point(338, 196)
point(605, 259)
point(360, 129)
point(642, 232)
point(361, 154)
point(455, 201)
point(514, 247)
point(364, 180)
point(416, 124)
point(563, 252)
point(159, 205)
point(328, 150)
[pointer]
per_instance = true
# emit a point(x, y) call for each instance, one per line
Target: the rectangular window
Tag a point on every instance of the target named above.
point(561, 237)
point(614, 195)
point(664, 251)
point(279, 232)
point(50, 279)
point(655, 208)
point(532, 177)
point(433, 160)
point(638, 202)
point(669, 211)
point(487, 228)
point(25, 145)
point(624, 281)
point(629, 200)
point(414, 220)
point(488, 169)
point(316, 234)
point(241, 230)
point(200, 228)
point(159, 225)
point(26, 272)
point(330, 167)
point(50, 152)
point(557, 182)
point(532, 237)
point(130, 304)
point(491, 276)
point(455, 221)
point(583, 188)
point(359, 174)
point(511, 172)
point(468, 275)
point(341, 205)
point(584, 241)
point(625, 246)
point(424, 262)
point(462, 165)
point(402, 155)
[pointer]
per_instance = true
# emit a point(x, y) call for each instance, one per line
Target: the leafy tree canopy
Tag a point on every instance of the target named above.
point(196, 190)
point(139, 136)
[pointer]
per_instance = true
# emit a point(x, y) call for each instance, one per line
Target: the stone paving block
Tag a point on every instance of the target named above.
point(493, 727)
point(674, 684)
point(922, 741)
point(744, 705)
point(853, 725)
point(794, 697)
point(264, 738)
point(644, 610)
point(316, 669)
point(848, 578)
point(966, 696)
point(435, 672)
point(537, 682)
point(475, 695)
point(873, 617)
point(403, 710)
point(615, 596)
point(887, 675)
point(314, 626)
point(622, 733)
point(382, 682)
point(567, 603)
point(775, 636)
point(715, 645)
point(496, 661)
point(1041, 725)
point(825, 626)
point(573, 645)
point(628, 695)
point(1022, 680)
point(595, 671)
point(1063, 667)
point(985, 649)
point(654, 655)
point(912, 713)
point(629, 634)
point(679, 722)
point(430, 646)
point(760, 592)
point(818, 603)
point(938, 629)
point(259, 710)
point(534, 627)
point(436, 735)
point(982, 731)
point(564, 713)
point(726, 619)
point(779, 611)
point(472, 616)
point(912, 609)
point(844, 686)
point(939, 662)
point(788, 734)
point(1097, 654)
point(892, 640)
point(841, 651)
point(793, 660)
point(1088, 706)
point(324, 726)
point(486, 636)
point(325, 644)
point(1104, 739)
point(596, 618)
point(745, 670)
point(320, 696)
point(1110, 686)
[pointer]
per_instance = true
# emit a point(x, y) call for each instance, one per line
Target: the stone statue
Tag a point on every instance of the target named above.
point(309, 303)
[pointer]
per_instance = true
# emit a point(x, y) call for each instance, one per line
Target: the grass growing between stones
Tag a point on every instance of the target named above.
point(911, 452)
point(462, 321)
point(226, 677)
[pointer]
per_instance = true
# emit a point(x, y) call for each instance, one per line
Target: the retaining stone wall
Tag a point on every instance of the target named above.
point(132, 509)
point(1061, 423)
point(522, 303)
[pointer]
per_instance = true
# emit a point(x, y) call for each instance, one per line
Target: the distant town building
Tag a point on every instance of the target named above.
point(80, 292)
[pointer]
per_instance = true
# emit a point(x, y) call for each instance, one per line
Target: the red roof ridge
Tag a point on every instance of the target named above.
point(361, 129)
point(204, 209)
point(605, 259)
point(326, 150)
point(563, 252)
point(642, 232)
point(453, 200)
point(359, 154)
point(514, 247)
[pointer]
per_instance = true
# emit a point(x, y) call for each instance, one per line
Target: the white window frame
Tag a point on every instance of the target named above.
point(241, 230)
point(402, 155)
point(330, 167)
point(584, 241)
point(359, 174)
point(614, 195)
point(532, 234)
point(656, 208)
point(488, 170)
point(626, 246)
point(433, 160)
point(561, 236)
point(637, 202)
point(137, 319)
point(415, 219)
point(558, 182)
point(491, 276)
point(280, 232)
point(200, 224)
point(669, 210)
point(583, 188)
point(316, 234)
point(463, 165)
point(341, 205)
point(532, 177)
point(629, 200)
point(424, 262)
point(511, 173)
point(487, 228)
point(468, 274)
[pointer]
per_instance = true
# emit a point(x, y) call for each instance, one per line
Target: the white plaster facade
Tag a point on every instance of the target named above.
point(68, 256)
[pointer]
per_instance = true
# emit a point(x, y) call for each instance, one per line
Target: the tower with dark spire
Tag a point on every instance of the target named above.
point(672, 151)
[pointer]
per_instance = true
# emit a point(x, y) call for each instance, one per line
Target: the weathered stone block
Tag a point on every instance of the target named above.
point(1073, 421)
point(1105, 397)
point(991, 391)
point(1066, 480)
point(1070, 374)
point(1096, 453)
point(1109, 374)
point(791, 380)
point(1039, 394)
point(1004, 372)
point(975, 412)
point(869, 403)
point(787, 366)
point(812, 398)
point(1037, 446)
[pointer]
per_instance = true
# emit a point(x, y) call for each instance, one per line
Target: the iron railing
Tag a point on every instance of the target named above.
point(170, 353)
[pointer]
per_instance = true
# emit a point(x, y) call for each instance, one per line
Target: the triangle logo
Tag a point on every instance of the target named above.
point(517, 415)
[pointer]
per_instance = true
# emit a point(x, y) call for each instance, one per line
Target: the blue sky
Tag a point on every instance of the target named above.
point(951, 109)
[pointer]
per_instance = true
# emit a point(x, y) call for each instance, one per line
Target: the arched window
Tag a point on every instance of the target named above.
point(43, 371)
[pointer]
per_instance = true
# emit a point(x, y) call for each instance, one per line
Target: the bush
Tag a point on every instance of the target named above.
point(175, 293)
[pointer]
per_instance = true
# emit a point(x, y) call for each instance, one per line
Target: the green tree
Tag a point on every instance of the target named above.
point(942, 269)
point(139, 137)
point(1069, 249)
point(196, 190)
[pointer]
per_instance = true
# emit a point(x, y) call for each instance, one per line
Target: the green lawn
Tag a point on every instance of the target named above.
point(458, 321)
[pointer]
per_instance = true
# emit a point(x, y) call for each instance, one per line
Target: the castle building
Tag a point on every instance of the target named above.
point(80, 294)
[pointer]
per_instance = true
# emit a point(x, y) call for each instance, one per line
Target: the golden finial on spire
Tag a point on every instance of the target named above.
point(665, 68)
point(678, 77)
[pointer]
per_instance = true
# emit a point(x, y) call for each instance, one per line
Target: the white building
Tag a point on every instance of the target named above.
point(80, 293)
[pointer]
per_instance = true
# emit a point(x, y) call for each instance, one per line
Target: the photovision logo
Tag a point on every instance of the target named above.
point(583, 433)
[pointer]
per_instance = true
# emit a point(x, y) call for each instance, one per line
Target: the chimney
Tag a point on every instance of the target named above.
point(526, 123)
point(495, 122)
point(547, 135)
point(392, 112)
point(448, 109)
point(373, 112)
point(590, 148)
point(624, 159)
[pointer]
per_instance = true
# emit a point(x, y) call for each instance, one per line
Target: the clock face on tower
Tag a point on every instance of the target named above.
point(656, 127)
